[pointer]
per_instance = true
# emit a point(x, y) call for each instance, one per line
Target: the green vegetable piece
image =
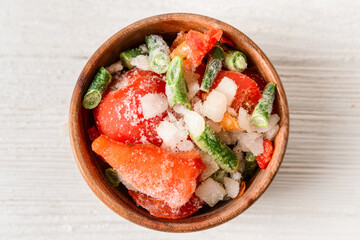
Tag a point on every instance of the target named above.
point(250, 165)
point(176, 86)
point(159, 53)
point(127, 55)
point(262, 111)
point(213, 67)
point(235, 61)
point(112, 176)
point(97, 89)
point(219, 175)
point(210, 143)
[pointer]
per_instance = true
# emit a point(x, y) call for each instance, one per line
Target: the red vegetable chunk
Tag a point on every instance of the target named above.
point(256, 77)
point(163, 175)
point(227, 41)
point(264, 158)
point(119, 114)
point(211, 37)
point(160, 209)
point(93, 133)
point(199, 44)
point(247, 94)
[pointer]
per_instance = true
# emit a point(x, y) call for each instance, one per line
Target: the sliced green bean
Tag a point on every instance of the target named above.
point(97, 89)
point(213, 67)
point(219, 175)
point(210, 143)
point(176, 86)
point(159, 53)
point(262, 111)
point(112, 176)
point(250, 165)
point(235, 61)
point(127, 55)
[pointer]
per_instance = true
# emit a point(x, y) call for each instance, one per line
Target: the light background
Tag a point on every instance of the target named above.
point(315, 48)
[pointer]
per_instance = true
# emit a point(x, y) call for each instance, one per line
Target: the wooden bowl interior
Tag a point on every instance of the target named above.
point(92, 167)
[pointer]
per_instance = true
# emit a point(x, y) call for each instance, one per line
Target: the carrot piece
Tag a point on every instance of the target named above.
point(229, 123)
point(164, 175)
point(242, 189)
point(182, 51)
point(196, 41)
point(180, 38)
point(204, 96)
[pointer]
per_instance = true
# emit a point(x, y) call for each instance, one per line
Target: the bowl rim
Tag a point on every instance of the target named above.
point(106, 196)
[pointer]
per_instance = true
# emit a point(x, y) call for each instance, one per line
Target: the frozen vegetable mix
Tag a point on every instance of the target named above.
point(182, 124)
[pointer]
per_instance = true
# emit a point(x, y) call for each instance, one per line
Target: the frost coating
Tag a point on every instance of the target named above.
point(227, 87)
point(210, 192)
point(174, 135)
point(232, 187)
point(244, 120)
point(115, 67)
point(195, 123)
point(215, 106)
point(142, 62)
point(251, 142)
point(211, 166)
point(153, 105)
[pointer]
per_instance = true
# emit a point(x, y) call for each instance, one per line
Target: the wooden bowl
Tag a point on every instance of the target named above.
point(92, 168)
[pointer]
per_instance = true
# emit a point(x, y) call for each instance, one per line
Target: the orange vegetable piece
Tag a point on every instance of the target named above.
point(180, 38)
point(196, 41)
point(264, 158)
point(211, 37)
point(195, 46)
point(242, 189)
point(182, 51)
point(163, 175)
point(229, 123)
point(200, 44)
point(160, 209)
point(204, 96)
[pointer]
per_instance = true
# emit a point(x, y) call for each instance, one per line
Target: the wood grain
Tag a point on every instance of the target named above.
point(315, 49)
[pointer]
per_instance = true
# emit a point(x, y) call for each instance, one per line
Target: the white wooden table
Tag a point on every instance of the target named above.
point(314, 46)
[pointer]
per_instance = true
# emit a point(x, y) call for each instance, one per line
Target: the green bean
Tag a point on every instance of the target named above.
point(112, 176)
point(213, 67)
point(250, 165)
point(159, 53)
point(127, 55)
point(176, 86)
point(262, 111)
point(210, 143)
point(97, 89)
point(235, 61)
point(219, 175)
